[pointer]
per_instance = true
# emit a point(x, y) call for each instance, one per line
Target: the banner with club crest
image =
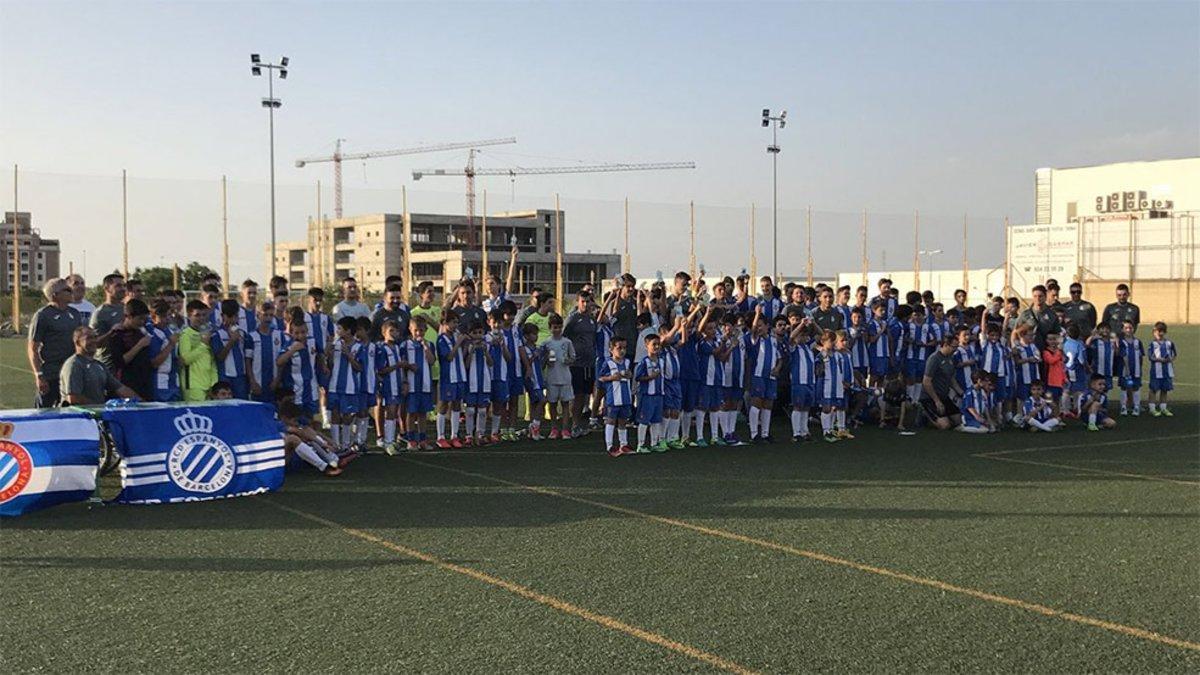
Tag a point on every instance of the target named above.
point(47, 457)
point(196, 452)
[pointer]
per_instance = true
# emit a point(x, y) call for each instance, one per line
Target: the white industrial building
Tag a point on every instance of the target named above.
point(1132, 222)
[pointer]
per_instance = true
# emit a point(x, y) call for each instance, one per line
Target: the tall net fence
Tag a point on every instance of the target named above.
point(172, 221)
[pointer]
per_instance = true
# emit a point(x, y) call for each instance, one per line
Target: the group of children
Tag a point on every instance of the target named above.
point(718, 355)
point(1067, 379)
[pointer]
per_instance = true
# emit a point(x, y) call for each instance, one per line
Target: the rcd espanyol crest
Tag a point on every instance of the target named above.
point(199, 461)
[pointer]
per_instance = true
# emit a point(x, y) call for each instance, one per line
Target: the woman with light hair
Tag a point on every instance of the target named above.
point(51, 340)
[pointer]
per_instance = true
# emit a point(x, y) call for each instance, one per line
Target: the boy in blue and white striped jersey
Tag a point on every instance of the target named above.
point(1102, 354)
point(804, 378)
point(164, 358)
point(1133, 352)
point(320, 335)
point(297, 370)
point(263, 346)
point(535, 385)
point(391, 361)
point(616, 378)
point(477, 392)
point(1162, 370)
point(452, 379)
point(419, 356)
point(978, 408)
point(368, 380)
point(764, 383)
point(229, 352)
point(671, 338)
point(966, 358)
point(651, 388)
point(343, 399)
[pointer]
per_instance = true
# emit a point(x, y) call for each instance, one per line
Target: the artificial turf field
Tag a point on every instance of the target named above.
point(939, 552)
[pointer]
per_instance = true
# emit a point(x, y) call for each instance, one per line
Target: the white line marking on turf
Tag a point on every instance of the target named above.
point(999, 457)
point(1034, 607)
point(1127, 441)
point(528, 593)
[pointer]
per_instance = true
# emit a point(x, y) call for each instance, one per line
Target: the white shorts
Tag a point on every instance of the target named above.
point(559, 393)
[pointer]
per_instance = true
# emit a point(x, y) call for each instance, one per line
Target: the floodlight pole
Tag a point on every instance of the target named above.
point(776, 122)
point(271, 124)
point(271, 103)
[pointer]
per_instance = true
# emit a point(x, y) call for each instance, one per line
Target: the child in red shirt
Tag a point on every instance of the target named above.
point(1056, 371)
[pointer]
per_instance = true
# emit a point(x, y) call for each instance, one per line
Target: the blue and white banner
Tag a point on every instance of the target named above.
point(46, 458)
point(196, 452)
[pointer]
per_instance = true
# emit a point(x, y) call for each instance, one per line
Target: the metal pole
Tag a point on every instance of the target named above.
point(125, 224)
point(175, 276)
point(15, 285)
point(775, 203)
point(483, 256)
point(1007, 259)
point(692, 238)
point(558, 253)
point(866, 265)
point(966, 266)
point(319, 253)
point(1131, 252)
point(916, 250)
point(271, 115)
point(225, 235)
point(628, 263)
point(753, 254)
point(809, 264)
point(406, 250)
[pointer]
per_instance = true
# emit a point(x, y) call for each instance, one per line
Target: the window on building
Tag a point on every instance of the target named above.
point(1072, 211)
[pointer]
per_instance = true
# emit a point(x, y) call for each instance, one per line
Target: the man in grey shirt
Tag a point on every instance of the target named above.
point(84, 381)
point(1117, 313)
point(1039, 316)
point(1079, 311)
point(109, 316)
point(826, 316)
point(51, 340)
point(580, 329)
point(625, 314)
point(393, 309)
point(935, 386)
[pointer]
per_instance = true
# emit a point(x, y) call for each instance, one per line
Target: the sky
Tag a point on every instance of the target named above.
point(945, 108)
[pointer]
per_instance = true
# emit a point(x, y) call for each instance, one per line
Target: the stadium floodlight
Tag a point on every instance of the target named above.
point(776, 123)
point(271, 103)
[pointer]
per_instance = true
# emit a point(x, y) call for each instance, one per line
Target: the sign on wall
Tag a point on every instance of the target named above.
point(1039, 252)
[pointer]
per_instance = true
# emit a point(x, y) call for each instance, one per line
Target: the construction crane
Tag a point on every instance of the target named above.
point(337, 157)
point(470, 172)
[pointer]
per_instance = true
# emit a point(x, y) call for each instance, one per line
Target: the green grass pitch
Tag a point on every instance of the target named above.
point(937, 552)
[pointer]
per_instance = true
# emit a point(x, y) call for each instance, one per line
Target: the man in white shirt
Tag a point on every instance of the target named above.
point(350, 306)
point(78, 302)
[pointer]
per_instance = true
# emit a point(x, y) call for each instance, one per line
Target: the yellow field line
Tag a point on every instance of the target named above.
point(842, 562)
point(528, 593)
